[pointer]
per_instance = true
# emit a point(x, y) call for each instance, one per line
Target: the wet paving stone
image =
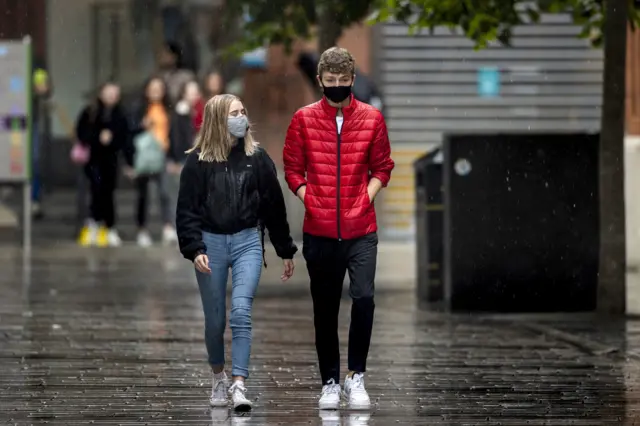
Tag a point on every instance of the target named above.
point(116, 338)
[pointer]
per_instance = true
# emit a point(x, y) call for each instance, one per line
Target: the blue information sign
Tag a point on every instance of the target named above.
point(489, 82)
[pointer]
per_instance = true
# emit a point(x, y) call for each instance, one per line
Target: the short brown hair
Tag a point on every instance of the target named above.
point(338, 61)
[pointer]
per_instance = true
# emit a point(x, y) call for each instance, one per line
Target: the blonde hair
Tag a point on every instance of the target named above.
point(214, 140)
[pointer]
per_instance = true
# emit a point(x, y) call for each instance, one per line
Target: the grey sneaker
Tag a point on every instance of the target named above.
point(219, 392)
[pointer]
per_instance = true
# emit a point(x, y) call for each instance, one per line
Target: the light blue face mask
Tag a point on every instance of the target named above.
point(238, 126)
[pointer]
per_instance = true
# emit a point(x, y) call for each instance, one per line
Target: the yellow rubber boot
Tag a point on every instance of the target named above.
point(83, 237)
point(102, 237)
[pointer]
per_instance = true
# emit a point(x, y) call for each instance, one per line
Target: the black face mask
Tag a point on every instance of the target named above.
point(337, 94)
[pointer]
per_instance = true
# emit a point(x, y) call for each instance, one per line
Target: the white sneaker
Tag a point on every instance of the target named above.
point(330, 398)
point(92, 230)
point(219, 392)
point(237, 392)
point(169, 236)
point(355, 393)
point(144, 239)
point(36, 210)
point(113, 239)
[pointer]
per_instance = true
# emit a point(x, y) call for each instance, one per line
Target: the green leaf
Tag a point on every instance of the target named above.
point(482, 21)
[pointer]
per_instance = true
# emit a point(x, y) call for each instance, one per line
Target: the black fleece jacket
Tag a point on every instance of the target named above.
point(227, 197)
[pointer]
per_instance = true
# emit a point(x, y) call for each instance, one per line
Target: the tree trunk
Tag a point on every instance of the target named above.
point(612, 278)
point(329, 30)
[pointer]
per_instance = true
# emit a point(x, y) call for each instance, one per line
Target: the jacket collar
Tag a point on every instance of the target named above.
point(238, 146)
point(346, 111)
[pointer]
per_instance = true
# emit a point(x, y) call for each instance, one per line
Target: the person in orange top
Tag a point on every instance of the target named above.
point(157, 122)
point(153, 115)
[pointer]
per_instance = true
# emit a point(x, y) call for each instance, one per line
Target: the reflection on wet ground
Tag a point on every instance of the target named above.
point(116, 338)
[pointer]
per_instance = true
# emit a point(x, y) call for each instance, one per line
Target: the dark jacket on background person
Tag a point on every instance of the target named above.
point(228, 197)
point(93, 120)
point(136, 116)
point(182, 134)
point(40, 100)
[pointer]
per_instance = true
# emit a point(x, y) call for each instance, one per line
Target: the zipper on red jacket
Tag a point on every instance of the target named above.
point(338, 133)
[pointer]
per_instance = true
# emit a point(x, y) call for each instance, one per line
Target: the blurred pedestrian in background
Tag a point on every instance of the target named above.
point(182, 134)
point(213, 85)
point(42, 91)
point(103, 128)
point(172, 70)
point(183, 130)
point(151, 121)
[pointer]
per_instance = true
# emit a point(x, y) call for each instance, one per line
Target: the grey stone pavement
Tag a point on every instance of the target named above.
point(115, 337)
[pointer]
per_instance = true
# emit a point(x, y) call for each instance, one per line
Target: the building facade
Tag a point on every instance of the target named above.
point(432, 84)
point(548, 80)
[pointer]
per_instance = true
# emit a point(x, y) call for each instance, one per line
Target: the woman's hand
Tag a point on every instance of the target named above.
point(147, 124)
point(173, 168)
point(129, 172)
point(105, 137)
point(201, 262)
point(288, 269)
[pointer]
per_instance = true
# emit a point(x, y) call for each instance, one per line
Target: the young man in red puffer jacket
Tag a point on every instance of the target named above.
point(336, 160)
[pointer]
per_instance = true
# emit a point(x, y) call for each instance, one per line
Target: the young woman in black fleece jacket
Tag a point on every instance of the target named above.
point(229, 191)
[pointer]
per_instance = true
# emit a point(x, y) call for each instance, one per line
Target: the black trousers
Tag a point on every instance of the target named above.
point(103, 178)
point(142, 183)
point(327, 262)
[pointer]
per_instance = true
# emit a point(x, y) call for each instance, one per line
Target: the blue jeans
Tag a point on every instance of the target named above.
point(242, 252)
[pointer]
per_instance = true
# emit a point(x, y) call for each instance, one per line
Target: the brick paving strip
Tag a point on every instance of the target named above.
point(558, 326)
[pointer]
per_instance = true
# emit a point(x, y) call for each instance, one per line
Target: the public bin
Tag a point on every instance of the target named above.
point(521, 226)
point(429, 226)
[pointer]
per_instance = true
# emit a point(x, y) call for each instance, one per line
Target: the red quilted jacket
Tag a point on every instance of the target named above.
point(337, 168)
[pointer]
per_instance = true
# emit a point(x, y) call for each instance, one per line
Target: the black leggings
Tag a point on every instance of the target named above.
point(161, 180)
point(103, 185)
